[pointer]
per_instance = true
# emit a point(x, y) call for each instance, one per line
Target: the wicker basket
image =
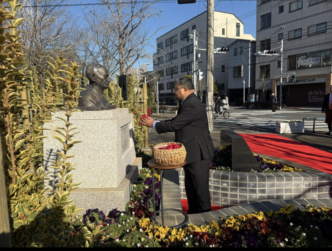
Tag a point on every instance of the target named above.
point(170, 157)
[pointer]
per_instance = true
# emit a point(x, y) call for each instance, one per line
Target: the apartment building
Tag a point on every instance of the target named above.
point(304, 26)
point(241, 70)
point(174, 55)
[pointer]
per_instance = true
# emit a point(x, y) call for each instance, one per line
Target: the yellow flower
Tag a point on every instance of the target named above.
point(270, 213)
point(241, 217)
point(174, 232)
point(172, 239)
point(260, 215)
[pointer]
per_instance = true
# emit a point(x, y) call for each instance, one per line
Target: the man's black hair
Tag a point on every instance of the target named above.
point(186, 82)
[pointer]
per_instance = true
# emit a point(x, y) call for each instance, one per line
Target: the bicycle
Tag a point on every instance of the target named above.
point(224, 112)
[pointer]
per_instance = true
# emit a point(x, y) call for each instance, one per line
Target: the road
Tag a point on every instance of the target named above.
point(262, 121)
point(265, 120)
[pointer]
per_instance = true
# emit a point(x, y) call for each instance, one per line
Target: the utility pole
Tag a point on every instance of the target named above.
point(210, 62)
point(249, 70)
point(194, 37)
point(157, 98)
point(281, 63)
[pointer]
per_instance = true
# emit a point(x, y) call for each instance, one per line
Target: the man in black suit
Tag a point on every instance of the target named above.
point(192, 130)
point(327, 108)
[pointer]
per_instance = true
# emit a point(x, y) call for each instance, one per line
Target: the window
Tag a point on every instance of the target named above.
point(265, 1)
point(281, 9)
point(174, 39)
point(292, 63)
point(160, 60)
point(265, 71)
point(237, 29)
point(222, 68)
point(186, 67)
point(296, 5)
point(184, 34)
point(193, 27)
point(168, 57)
point(317, 28)
point(238, 71)
point(326, 58)
point(174, 55)
point(313, 2)
point(170, 85)
point(266, 21)
point(279, 64)
point(172, 70)
point(241, 51)
point(280, 36)
point(223, 31)
point(175, 69)
point(235, 51)
point(160, 73)
point(265, 45)
point(168, 42)
point(160, 45)
point(186, 50)
point(295, 34)
point(161, 86)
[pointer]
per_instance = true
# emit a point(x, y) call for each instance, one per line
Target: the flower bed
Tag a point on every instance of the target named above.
point(222, 160)
point(288, 227)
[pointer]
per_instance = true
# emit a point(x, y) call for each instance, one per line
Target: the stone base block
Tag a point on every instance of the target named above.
point(106, 199)
point(291, 127)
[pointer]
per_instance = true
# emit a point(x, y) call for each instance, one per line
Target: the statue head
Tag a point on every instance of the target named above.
point(97, 75)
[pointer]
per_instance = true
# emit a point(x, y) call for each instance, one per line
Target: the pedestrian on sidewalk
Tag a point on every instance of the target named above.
point(273, 101)
point(327, 108)
point(192, 130)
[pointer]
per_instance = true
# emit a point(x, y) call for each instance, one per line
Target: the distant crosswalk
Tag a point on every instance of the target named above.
point(265, 119)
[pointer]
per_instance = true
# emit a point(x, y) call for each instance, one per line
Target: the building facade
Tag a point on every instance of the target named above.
point(174, 56)
point(241, 70)
point(304, 26)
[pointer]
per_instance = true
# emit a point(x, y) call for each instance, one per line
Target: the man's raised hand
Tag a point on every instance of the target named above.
point(148, 121)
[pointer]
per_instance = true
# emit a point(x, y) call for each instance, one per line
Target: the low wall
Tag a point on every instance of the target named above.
point(233, 188)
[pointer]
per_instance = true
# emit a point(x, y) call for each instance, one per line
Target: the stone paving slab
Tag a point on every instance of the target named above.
point(326, 202)
point(254, 207)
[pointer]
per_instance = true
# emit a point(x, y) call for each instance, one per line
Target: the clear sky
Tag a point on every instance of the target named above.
point(174, 14)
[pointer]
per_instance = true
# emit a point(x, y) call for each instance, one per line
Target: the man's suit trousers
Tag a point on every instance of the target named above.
point(197, 186)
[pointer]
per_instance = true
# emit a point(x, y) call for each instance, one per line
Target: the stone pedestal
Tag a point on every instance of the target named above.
point(290, 127)
point(104, 160)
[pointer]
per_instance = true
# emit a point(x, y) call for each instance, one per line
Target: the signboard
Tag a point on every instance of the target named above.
point(313, 59)
point(316, 96)
point(308, 80)
point(125, 137)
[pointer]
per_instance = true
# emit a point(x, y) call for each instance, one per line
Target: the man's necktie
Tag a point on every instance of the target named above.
point(330, 101)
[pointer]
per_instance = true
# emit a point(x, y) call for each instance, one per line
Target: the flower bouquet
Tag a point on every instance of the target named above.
point(169, 153)
point(143, 116)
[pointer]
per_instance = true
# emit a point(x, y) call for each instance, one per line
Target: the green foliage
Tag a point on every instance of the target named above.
point(113, 94)
point(36, 221)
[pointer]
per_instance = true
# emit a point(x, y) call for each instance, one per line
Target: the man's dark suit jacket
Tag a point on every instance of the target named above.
point(326, 103)
point(191, 129)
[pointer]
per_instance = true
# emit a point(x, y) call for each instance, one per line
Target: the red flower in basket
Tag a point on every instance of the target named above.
point(170, 146)
point(144, 116)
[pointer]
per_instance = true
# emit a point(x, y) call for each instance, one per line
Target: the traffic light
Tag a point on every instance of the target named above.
point(200, 75)
point(293, 79)
point(186, 1)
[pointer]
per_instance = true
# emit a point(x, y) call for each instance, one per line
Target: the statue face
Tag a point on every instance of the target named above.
point(100, 77)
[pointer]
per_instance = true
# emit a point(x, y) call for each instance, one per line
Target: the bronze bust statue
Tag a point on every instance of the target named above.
point(93, 98)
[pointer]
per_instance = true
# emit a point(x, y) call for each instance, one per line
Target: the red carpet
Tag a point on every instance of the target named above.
point(280, 147)
point(184, 204)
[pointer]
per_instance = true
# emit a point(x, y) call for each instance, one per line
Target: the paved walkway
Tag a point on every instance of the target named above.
point(172, 198)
